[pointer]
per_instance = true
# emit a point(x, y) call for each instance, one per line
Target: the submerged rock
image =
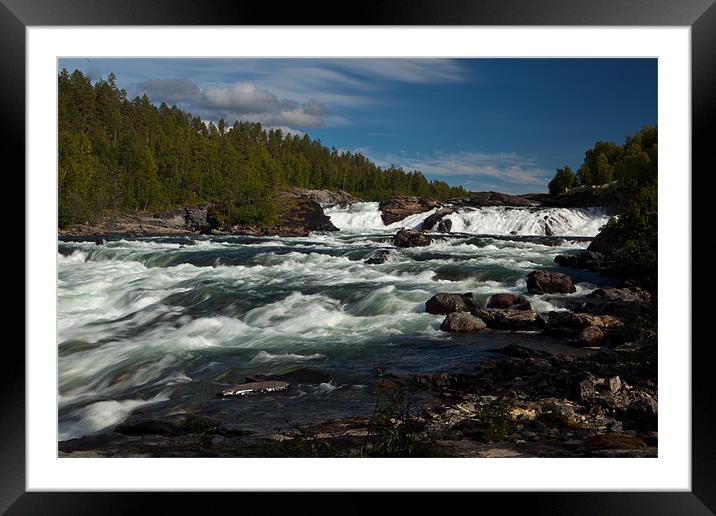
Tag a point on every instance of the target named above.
point(254, 388)
point(462, 322)
point(443, 303)
point(411, 238)
point(397, 208)
point(378, 257)
point(302, 375)
point(176, 424)
point(508, 301)
point(544, 282)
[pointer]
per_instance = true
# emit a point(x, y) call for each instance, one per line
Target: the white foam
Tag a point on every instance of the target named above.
point(490, 220)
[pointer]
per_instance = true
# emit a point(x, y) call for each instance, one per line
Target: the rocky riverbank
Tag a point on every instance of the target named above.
point(601, 401)
point(301, 213)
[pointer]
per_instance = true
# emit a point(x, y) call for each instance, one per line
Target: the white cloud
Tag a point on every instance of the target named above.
point(504, 167)
point(240, 97)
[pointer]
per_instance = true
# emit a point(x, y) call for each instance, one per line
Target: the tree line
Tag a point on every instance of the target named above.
point(629, 171)
point(127, 155)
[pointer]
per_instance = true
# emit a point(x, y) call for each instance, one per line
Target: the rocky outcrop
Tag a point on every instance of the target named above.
point(378, 257)
point(302, 212)
point(321, 196)
point(508, 301)
point(411, 238)
point(481, 199)
point(443, 303)
point(462, 322)
point(579, 321)
point(544, 282)
point(433, 220)
point(505, 319)
point(397, 208)
point(627, 303)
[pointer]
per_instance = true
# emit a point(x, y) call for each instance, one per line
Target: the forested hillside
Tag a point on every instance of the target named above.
point(122, 155)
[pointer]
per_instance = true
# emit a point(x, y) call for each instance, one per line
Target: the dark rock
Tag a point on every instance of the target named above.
point(443, 303)
point(544, 282)
point(254, 388)
point(591, 336)
point(411, 238)
point(515, 350)
point(621, 294)
point(462, 322)
point(305, 213)
point(585, 389)
point(445, 226)
point(508, 301)
point(505, 319)
point(480, 199)
point(613, 441)
point(100, 241)
point(384, 384)
point(196, 217)
point(397, 208)
point(432, 220)
point(176, 424)
point(579, 321)
point(378, 257)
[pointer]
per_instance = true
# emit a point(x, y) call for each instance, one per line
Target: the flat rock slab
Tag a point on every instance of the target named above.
point(254, 388)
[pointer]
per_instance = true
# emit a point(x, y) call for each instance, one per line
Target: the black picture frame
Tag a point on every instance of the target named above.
point(700, 15)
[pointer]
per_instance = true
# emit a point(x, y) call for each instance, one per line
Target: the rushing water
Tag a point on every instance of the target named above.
point(163, 324)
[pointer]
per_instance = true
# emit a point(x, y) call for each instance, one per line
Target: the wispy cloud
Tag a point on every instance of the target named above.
point(472, 167)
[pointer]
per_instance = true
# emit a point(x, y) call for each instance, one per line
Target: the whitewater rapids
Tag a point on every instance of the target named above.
point(491, 220)
point(162, 324)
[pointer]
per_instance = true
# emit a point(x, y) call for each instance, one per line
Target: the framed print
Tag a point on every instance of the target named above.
point(424, 240)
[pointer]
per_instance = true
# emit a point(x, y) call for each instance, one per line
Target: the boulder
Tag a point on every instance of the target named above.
point(508, 301)
point(579, 321)
point(397, 208)
point(379, 256)
point(545, 282)
point(254, 388)
point(462, 322)
point(621, 294)
point(591, 336)
point(505, 319)
point(100, 241)
point(443, 303)
point(411, 238)
point(432, 220)
point(620, 302)
point(445, 226)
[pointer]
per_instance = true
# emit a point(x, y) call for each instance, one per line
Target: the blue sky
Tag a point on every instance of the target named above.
point(486, 124)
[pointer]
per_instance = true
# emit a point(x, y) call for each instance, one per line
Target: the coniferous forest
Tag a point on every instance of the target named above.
point(127, 155)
